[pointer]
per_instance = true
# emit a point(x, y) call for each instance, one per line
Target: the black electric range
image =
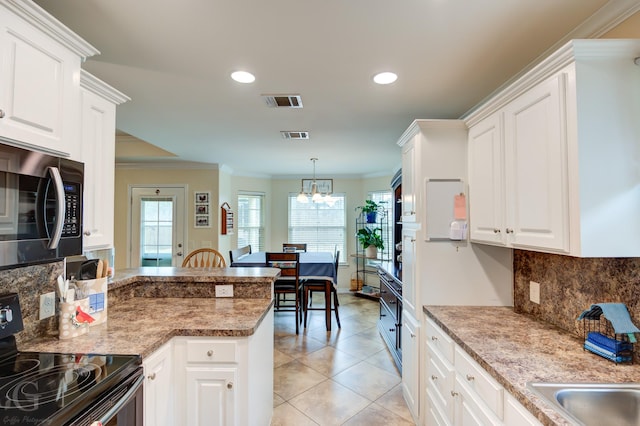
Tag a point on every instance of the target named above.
point(56, 388)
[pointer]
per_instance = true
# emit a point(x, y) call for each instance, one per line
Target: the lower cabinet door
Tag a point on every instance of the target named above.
point(211, 396)
point(158, 388)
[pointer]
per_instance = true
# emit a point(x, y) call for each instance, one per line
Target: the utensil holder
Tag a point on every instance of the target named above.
point(96, 291)
point(69, 327)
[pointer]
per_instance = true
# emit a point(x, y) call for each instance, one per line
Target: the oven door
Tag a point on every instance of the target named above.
point(122, 405)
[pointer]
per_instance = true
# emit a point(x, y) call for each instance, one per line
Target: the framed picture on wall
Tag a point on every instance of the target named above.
point(202, 210)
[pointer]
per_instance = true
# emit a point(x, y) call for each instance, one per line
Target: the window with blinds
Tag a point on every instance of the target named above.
point(250, 221)
point(320, 225)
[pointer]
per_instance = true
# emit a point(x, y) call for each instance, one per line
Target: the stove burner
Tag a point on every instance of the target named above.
point(58, 384)
point(10, 369)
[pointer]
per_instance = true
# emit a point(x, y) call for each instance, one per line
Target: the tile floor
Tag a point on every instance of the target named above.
point(342, 377)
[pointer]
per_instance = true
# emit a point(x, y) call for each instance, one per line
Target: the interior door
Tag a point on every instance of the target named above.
point(157, 226)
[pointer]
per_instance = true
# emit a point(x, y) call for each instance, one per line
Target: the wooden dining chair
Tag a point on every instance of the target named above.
point(204, 258)
point(287, 283)
point(309, 286)
point(299, 247)
point(239, 252)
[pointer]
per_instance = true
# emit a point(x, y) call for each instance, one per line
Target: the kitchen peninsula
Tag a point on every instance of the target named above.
point(203, 355)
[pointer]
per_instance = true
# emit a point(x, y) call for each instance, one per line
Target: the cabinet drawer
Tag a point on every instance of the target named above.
point(470, 409)
point(440, 380)
point(434, 415)
point(489, 391)
point(437, 339)
point(211, 351)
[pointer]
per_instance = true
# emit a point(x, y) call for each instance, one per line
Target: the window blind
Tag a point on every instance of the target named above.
point(320, 225)
point(250, 221)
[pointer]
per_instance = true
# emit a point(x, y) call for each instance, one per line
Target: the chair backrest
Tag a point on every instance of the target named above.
point(239, 253)
point(297, 246)
point(204, 258)
point(289, 264)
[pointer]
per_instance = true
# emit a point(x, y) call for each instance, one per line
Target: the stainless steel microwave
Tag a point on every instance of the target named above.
point(40, 207)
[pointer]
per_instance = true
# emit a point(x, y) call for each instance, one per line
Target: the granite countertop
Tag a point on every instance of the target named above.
point(149, 306)
point(516, 349)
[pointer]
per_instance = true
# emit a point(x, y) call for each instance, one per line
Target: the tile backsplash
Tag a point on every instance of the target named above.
point(569, 285)
point(30, 282)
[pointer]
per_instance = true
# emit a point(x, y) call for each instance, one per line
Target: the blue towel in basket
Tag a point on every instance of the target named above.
point(618, 316)
point(598, 350)
point(608, 343)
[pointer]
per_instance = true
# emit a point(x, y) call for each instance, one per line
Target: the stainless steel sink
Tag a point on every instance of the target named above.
point(593, 403)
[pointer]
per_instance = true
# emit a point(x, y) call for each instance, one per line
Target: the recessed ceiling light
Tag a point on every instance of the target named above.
point(243, 77)
point(385, 78)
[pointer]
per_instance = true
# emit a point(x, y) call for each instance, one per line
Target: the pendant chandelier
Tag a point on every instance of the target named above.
point(318, 190)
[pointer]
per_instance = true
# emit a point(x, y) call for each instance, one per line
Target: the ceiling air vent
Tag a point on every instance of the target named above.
point(283, 101)
point(287, 134)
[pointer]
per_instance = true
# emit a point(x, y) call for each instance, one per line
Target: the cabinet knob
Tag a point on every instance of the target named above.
point(1, 113)
point(179, 253)
point(412, 335)
point(434, 377)
point(229, 385)
point(210, 352)
point(392, 330)
point(152, 376)
point(496, 231)
point(434, 338)
point(454, 394)
point(86, 233)
point(470, 377)
point(509, 231)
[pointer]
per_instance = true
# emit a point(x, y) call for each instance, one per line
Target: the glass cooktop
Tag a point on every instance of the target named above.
point(52, 388)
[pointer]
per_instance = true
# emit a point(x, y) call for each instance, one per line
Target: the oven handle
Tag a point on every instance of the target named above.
point(60, 207)
point(121, 403)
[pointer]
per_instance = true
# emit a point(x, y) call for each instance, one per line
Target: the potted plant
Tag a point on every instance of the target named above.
point(371, 240)
point(370, 210)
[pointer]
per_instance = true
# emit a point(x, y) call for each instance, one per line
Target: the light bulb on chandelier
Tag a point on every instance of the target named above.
point(318, 190)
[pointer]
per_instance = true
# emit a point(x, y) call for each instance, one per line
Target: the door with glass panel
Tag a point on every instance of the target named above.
point(157, 226)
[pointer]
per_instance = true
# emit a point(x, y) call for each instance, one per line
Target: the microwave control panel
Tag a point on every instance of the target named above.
point(72, 210)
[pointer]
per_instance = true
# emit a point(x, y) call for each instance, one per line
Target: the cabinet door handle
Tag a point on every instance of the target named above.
point(229, 385)
point(454, 394)
point(392, 330)
point(470, 377)
point(434, 377)
point(210, 352)
point(1, 113)
point(152, 376)
point(412, 335)
point(434, 338)
point(509, 231)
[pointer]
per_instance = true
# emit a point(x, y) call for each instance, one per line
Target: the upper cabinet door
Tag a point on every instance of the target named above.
point(536, 167)
point(486, 181)
point(39, 101)
point(409, 180)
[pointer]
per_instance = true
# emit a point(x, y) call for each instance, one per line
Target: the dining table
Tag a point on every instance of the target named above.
point(313, 265)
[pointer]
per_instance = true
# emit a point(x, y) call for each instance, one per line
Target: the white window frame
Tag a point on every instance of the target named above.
point(260, 227)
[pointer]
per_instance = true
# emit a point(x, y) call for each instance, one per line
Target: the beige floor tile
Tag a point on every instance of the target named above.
point(277, 400)
point(394, 402)
point(329, 403)
point(328, 361)
point(368, 380)
point(384, 360)
point(295, 346)
point(360, 346)
point(287, 415)
point(375, 415)
point(293, 378)
point(280, 358)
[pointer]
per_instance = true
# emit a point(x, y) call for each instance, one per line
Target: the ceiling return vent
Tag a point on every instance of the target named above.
point(297, 134)
point(283, 101)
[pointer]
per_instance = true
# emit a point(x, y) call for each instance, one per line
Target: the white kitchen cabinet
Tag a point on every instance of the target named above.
point(569, 158)
point(410, 363)
point(225, 380)
point(486, 171)
point(97, 152)
point(460, 392)
point(211, 397)
point(158, 387)
point(39, 90)
point(410, 295)
point(410, 174)
point(517, 172)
